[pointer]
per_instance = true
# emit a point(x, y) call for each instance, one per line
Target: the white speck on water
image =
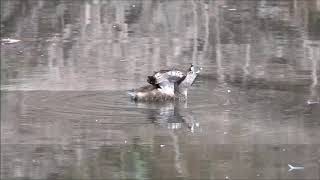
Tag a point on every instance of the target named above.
point(162, 145)
point(96, 120)
point(283, 149)
point(225, 133)
point(192, 129)
point(133, 5)
point(35, 162)
point(232, 9)
point(310, 102)
point(228, 90)
point(197, 124)
point(258, 175)
point(10, 41)
point(224, 6)
point(227, 177)
point(125, 141)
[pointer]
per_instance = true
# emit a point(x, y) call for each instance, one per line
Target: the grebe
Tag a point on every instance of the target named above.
point(166, 85)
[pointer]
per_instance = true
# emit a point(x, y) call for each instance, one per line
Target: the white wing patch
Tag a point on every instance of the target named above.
point(175, 73)
point(171, 76)
point(167, 88)
point(167, 81)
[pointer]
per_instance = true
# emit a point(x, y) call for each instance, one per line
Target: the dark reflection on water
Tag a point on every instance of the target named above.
point(254, 109)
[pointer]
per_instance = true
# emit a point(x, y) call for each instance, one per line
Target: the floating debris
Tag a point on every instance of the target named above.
point(294, 167)
point(228, 90)
point(162, 145)
point(232, 9)
point(125, 141)
point(10, 41)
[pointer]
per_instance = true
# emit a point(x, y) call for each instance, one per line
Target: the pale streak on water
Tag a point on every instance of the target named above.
point(253, 110)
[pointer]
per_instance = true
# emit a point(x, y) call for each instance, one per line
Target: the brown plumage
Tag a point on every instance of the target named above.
point(149, 93)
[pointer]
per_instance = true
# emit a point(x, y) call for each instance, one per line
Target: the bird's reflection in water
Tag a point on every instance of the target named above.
point(172, 115)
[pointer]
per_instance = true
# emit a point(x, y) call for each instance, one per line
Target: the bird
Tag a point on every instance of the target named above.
point(166, 85)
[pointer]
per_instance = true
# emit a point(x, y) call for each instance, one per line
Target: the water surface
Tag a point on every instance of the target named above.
point(252, 111)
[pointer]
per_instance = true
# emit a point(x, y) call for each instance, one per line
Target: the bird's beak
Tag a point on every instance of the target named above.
point(200, 69)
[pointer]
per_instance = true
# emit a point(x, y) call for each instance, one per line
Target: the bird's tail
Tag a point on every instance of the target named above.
point(132, 94)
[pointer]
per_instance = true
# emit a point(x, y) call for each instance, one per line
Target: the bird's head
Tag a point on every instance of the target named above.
point(195, 69)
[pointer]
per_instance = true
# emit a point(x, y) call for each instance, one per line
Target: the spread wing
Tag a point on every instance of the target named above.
point(166, 80)
point(171, 76)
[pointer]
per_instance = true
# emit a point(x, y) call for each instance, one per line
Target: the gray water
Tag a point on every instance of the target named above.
point(253, 110)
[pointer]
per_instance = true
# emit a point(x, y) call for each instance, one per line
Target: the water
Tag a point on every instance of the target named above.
point(253, 110)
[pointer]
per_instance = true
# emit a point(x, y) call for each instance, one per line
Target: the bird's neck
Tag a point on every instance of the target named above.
point(187, 82)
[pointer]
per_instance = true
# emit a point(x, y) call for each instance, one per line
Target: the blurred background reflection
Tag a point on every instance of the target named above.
point(253, 110)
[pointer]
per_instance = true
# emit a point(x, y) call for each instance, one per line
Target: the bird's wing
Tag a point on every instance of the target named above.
point(167, 87)
point(172, 76)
